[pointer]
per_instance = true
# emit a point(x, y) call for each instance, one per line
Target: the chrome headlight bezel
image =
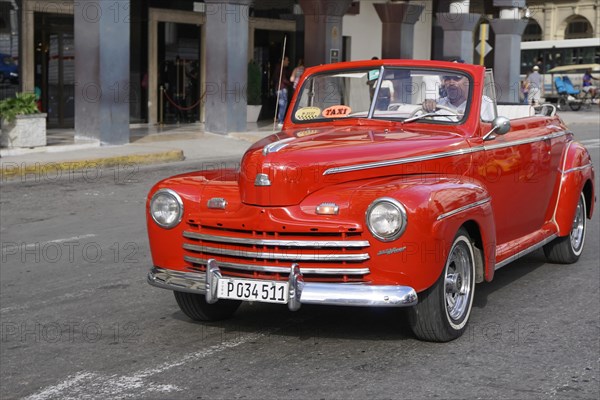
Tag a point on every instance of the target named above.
point(398, 231)
point(177, 199)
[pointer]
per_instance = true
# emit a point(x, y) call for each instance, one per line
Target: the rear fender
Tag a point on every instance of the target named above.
point(577, 175)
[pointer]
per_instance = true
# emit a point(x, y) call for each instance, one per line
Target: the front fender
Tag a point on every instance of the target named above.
point(436, 209)
point(577, 175)
point(166, 244)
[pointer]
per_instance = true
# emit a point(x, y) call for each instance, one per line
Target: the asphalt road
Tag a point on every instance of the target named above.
point(79, 320)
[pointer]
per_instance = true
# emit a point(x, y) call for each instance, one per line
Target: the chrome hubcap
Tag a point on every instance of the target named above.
point(578, 227)
point(458, 281)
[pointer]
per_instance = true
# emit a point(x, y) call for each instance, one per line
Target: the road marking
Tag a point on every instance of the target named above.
point(10, 245)
point(86, 383)
point(591, 143)
point(89, 235)
point(52, 301)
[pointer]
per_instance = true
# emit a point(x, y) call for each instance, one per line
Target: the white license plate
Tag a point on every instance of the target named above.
point(253, 290)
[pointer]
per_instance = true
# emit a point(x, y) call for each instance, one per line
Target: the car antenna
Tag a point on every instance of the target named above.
point(279, 82)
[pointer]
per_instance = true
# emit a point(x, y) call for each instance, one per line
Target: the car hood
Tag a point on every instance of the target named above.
point(284, 168)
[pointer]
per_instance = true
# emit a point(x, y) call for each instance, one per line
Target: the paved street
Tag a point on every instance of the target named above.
point(78, 319)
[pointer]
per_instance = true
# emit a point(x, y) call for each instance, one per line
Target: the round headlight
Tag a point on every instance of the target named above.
point(386, 219)
point(166, 208)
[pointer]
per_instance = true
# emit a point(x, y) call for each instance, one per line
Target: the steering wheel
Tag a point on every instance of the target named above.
point(437, 107)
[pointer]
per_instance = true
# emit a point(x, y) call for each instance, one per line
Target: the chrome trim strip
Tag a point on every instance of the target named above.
point(262, 180)
point(525, 141)
point(212, 275)
point(341, 294)
point(295, 285)
point(280, 243)
point(358, 295)
point(277, 256)
point(575, 169)
point(463, 208)
point(276, 146)
point(190, 282)
point(400, 161)
point(525, 252)
point(562, 181)
point(281, 270)
point(376, 93)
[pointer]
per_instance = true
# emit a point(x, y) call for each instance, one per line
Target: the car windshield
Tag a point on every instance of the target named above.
point(404, 94)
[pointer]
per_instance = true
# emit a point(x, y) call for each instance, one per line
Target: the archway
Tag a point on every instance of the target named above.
point(533, 31)
point(578, 27)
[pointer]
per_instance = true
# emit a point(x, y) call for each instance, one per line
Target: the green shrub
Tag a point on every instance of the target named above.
point(21, 104)
point(254, 83)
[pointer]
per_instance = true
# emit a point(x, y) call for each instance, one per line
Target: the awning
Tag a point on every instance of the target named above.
point(575, 68)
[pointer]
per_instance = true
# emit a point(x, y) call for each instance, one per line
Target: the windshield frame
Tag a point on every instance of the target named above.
point(371, 115)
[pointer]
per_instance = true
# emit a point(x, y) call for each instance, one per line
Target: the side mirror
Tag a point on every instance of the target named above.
point(500, 126)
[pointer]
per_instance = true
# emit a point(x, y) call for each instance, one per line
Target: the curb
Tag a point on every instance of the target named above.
point(10, 169)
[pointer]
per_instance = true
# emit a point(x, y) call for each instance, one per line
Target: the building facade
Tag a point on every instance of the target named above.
point(101, 65)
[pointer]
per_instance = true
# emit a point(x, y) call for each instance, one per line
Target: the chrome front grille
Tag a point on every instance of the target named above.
point(324, 257)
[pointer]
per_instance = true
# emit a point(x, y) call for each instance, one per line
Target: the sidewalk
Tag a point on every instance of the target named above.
point(149, 145)
point(152, 145)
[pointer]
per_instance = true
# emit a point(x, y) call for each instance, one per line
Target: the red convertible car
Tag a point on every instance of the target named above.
point(393, 183)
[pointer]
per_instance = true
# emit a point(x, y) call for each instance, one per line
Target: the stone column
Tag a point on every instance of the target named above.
point(226, 65)
point(102, 71)
point(398, 26)
point(323, 30)
point(458, 25)
point(507, 50)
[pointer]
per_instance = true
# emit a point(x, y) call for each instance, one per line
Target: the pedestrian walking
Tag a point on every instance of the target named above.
point(535, 86)
point(525, 90)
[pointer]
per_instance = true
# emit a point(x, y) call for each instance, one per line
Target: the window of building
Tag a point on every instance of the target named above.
point(533, 31)
point(579, 27)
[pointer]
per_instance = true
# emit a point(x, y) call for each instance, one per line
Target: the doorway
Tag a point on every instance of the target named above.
point(55, 68)
point(267, 53)
point(179, 54)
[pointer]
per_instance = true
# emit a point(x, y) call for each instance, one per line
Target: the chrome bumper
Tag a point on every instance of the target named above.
point(340, 294)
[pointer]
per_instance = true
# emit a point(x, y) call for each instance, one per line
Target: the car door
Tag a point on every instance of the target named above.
point(520, 171)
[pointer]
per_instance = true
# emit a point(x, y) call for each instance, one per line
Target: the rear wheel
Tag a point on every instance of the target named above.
point(567, 249)
point(575, 105)
point(195, 306)
point(443, 310)
point(587, 101)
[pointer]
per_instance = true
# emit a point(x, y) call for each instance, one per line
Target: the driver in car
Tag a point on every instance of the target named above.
point(457, 90)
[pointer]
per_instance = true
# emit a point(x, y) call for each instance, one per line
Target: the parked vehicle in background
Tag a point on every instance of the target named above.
point(376, 198)
point(549, 54)
point(567, 89)
point(9, 70)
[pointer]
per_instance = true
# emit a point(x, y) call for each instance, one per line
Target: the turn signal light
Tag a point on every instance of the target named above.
point(328, 209)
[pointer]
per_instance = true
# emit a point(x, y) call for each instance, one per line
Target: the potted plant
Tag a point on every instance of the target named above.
point(22, 123)
point(253, 93)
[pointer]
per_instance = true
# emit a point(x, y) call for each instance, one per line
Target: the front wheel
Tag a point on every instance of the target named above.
point(567, 249)
point(562, 103)
point(443, 310)
point(195, 306)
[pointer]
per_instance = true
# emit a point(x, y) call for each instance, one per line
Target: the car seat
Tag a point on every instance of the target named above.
point(560, 85)
point(569, 86)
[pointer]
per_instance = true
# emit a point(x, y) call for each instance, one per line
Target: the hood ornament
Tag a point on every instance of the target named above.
point(276, 146)
point(262, 180)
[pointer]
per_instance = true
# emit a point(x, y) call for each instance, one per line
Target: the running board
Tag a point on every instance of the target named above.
point(525, 252)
